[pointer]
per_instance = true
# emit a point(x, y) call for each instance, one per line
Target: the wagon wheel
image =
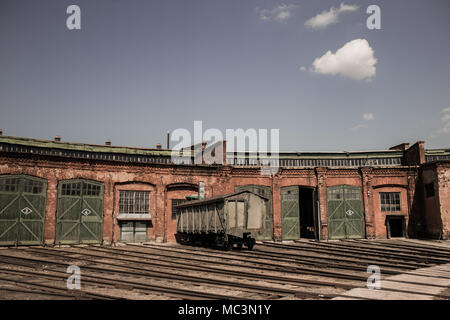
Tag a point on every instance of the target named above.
point(239, 246)
point(228, 245)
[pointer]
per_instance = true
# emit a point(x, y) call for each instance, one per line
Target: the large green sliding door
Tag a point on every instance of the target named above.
point(290, 213)
point(345, 212)
point(22, 210)
point(264, 191)
point(79, 217)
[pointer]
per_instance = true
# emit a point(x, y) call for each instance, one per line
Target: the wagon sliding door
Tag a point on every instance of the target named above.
point(22, 210)
point(345, 212)
point(79, 217)
point(264, 191)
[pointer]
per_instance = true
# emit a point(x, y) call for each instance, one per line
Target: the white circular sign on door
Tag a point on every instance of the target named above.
point(86, 212)
point(26, 211)
point(349, 212)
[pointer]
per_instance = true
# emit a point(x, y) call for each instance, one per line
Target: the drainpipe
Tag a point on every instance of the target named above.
point(113, 242)
point(319, 221)
point(164, 212)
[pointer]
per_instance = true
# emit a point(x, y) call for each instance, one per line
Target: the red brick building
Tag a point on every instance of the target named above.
point(60, 192)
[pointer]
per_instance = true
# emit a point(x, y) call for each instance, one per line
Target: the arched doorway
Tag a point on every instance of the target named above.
point(298, 213)
point(345, 212)
point(79, 215)
point(22, 210)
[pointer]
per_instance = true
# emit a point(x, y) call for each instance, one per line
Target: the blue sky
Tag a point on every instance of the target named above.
point(139, 68)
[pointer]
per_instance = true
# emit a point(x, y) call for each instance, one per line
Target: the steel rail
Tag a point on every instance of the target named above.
point(78, 294)
point(237, 273)
point(344, 253)
point(183, 293)
point(396, 254)
point(184, 278)
point(255, 256)
point(295, 258)
point(217, 269)
point(403, 245)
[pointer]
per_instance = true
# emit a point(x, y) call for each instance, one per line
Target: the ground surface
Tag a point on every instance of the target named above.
point(294, 270)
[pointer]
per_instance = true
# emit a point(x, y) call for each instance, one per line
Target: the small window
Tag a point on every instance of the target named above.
point(390, 201)
point(134, 202)
point(91, 189)
point(9, 185)
point(335, 194)
point(71, 189)
point(429, 190)
point(32, 186)
point(352, 194)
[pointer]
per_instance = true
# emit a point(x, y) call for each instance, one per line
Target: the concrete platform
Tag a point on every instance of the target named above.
point(421, 284)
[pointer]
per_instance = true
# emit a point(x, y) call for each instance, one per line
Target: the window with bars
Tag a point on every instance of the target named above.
point(134, 202)
point(335, 194)
point(32, 186)
point(390, 201)
point(91, 189)
point(176, 202)
point(9, 185)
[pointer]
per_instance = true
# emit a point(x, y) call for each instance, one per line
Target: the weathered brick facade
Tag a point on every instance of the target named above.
point(436, 177)
point(167, 181)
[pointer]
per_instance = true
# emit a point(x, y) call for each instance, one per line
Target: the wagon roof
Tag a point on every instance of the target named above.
point(217, 199)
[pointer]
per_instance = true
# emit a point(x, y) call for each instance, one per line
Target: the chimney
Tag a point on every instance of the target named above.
point(402, 146)
point(158, 146)
point(108, 142)
point(168, 140)
point(58, 138)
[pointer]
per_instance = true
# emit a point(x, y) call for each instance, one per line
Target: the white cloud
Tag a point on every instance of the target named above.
point(322, 20)
point(359, 127)
point(366, 117)
point(280, 13)
point(302, 68)
point(354, 60)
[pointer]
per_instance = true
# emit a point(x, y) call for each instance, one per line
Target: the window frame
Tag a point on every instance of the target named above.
point(126, 208)
point(390, 201)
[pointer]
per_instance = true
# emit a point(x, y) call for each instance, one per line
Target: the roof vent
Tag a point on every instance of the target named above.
point(158, 146)
point(58, 138)
point(108, 142)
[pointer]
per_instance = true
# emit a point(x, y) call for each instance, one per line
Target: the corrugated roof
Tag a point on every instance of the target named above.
point(83, 147)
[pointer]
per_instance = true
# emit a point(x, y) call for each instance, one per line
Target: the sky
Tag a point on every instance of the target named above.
point(312, 69)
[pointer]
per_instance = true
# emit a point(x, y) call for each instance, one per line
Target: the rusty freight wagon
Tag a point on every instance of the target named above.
point(223, 221)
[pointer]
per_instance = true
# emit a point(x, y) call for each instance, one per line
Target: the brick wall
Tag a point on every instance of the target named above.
point(167, 182)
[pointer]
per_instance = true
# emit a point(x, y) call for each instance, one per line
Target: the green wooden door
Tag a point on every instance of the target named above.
point(133, 231)
point(267, 233)
point(290, 213)
point(345, 212)
point(22, 210)
point(79, 217)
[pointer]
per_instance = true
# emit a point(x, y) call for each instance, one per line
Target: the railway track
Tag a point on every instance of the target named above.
point(362, 255)
point(237, 275)
point(260, 257)
point(105, 281)
point(299, 270)
point(132, 270)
